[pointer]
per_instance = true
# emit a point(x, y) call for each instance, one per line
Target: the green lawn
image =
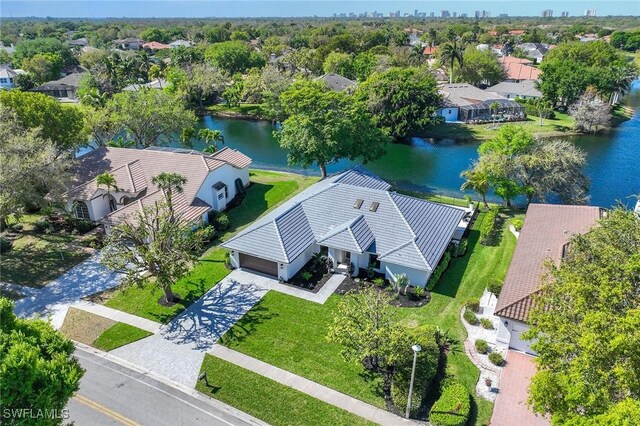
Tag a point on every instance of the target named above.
point(562, 125)
point(243, 110)
point(268, 400)
point(268, 189)
point(290, 333)
point(119, 334)
point(37, 258)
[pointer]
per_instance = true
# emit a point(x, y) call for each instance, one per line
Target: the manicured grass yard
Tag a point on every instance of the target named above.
point(268, 400)
point(268, 189)
point(562, 125)
point(37, 258)
point(290, 333)
point(119, 334)
point(99, 332)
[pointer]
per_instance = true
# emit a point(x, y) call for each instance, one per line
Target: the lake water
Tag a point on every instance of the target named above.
point(613, 159)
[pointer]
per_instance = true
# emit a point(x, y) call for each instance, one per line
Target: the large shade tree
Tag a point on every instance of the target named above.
point(37, 368)
point(403, 100)
point(29, 169)
point(60, 124)
point(324, 126)
point(148, 117)
point(153, 245)
point(586, 319)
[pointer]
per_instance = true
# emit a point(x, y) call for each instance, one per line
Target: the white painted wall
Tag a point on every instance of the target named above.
point(510, 333)
point(226, 174)
point(288, 270)
point(416, 277)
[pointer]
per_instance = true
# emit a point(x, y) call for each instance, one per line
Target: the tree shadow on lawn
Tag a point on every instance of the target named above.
point(452, 278)
point(34, 267)
point(211, 316)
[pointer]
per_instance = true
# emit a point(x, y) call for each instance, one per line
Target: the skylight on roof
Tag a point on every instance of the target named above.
point(374, 206)
point(358, 203)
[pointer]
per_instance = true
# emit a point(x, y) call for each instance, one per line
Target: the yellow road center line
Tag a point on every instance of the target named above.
point(104, 410)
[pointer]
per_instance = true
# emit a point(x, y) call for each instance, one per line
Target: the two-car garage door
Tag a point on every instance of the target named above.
point(257, 264)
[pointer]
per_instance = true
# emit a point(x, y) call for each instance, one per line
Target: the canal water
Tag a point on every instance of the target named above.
point(613, 158)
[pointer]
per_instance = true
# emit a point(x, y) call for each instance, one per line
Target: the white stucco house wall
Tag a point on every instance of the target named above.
point(356, 220)
point(213, 180)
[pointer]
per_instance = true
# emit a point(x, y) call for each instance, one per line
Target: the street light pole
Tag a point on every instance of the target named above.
point(416, 349)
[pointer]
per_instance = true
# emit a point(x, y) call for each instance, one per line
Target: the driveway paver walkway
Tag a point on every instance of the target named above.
point(84, 279)
point(511, 404)
point(309, 387)
point(177, 350)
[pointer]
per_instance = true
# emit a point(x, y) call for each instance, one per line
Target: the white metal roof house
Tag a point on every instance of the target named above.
point(212, 181)
point(7, 77)
point(357, 220)
point(467, 103)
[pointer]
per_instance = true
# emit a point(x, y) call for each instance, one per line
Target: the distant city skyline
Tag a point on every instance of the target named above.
point(308, 8)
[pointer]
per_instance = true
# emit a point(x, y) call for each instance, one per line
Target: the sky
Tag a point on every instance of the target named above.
point(300, 8)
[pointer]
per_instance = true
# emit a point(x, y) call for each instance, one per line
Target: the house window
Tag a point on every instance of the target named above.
point(373, 259)
point(112, 204)
point(449, 111)
point(226, 192)
point(81, 210)
point(3, 80)
point(221, 196)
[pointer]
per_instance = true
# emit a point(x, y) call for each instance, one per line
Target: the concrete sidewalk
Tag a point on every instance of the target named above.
point(119, 316)
point(309, 387)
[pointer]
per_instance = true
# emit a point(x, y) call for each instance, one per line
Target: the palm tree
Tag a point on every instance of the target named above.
point(432, 37)
point(450, 54)
point(476, 180)
point(168, 184)
point(494, 107)
point(108, 180)
point(209, 136)
point(145, 63)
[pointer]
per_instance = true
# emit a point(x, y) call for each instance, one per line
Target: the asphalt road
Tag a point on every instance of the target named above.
point(111, 394)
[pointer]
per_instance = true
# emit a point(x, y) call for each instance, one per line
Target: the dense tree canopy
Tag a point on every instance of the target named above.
point(480, 67)
point(37, 367)
point(402, 100)
point(148, 117)
point(234, 56)
point(586, 318)
point(29, 48)
point(324, 126)
point(29, 169)
point(570, 68)
point(61, 124)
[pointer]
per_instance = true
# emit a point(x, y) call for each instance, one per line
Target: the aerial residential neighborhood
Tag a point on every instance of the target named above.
point(316, 214)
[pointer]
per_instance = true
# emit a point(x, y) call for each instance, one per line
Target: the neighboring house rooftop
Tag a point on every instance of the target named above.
point(135, 168)
point(462, 94)
point(78, 42)
point(64, 83)
point(7, 72)
point(155, 84)
point(354, 211)
point(519, 69)
point(430, 50)
point(336, 82)
point(154, 45)
point(178, 43)
point(523, 88)
point(545, 233)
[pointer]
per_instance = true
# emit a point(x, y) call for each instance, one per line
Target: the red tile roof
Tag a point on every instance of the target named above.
point(547, 229)
point(154, 45)
point(519, 69)
point(429, 50)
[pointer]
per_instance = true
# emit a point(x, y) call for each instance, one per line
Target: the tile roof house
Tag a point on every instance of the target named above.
point(336, 82)
point(467, 103)
point(357, 220)
point(154, 45)
point(129, 43)
point(518, 69)
point(157, 84)
point(544, 236)
point(180, 43)
point(212, 181)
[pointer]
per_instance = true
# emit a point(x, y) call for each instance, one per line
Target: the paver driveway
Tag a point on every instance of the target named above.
point(178, 349)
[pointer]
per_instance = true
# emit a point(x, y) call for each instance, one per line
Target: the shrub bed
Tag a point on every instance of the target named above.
point(473, 305)
point(453, 406)
point(470, 317)
point(496, 359)
point(495, 287)
point(437, 273)
point(487, 229)
point(486, 323)
point(482, 346)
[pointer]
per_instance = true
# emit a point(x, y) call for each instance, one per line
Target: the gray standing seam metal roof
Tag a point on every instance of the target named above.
point(406, 231)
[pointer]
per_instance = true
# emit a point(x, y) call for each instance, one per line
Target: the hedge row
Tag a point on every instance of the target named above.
point(452, 409)
point(488, 226)
point(437, 273)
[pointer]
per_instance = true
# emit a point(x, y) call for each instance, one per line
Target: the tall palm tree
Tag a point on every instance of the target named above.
point(211, 139)
point(450, 54)
point(144, 65)
point(108, 180)
point(476, 180)
point(168, 184)
point(432, 37)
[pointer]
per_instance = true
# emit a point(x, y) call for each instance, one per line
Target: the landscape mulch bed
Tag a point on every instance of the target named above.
point(409, 300)
point(314, 284)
